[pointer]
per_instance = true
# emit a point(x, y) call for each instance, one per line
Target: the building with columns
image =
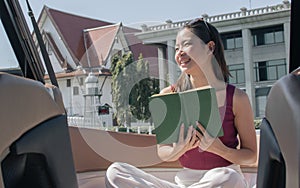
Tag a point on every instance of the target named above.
point(256, 44)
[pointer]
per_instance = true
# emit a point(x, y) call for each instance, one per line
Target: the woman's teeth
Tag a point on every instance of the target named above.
point(185, 62)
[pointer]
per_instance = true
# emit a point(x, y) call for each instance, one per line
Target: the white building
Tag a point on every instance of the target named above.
point(78, 46)
point(256, 43)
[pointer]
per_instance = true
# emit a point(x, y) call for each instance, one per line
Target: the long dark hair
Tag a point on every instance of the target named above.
point(206, 32)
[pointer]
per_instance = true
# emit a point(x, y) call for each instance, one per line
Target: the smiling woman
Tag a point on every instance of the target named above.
point(37, 147)
point(206, 161)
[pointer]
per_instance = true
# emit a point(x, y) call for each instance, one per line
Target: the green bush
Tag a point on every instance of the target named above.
point(257, 123)
point(124, 129)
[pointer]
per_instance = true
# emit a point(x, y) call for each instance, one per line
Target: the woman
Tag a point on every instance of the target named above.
point(207, 161)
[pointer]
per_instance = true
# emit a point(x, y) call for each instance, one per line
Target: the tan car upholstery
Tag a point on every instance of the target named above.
point(24, 105)
point(279, 162)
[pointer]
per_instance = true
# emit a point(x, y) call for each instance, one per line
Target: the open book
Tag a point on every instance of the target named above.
point(170, 110)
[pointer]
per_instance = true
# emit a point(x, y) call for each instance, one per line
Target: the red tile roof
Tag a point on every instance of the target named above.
point(136, 45)
point(99, 42)
point(71, 27)
point(104, 72)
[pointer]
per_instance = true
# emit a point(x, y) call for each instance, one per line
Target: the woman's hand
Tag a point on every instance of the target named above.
point(207, 142)
point(174, 151)
point(191, 140)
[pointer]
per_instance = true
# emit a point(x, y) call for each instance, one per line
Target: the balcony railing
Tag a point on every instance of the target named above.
point(222, 17)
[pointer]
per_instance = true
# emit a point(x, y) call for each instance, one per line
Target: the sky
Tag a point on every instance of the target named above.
point(134, 13)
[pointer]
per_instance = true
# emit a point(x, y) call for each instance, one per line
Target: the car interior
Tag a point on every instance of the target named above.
point(35, 144)
point(35, 148)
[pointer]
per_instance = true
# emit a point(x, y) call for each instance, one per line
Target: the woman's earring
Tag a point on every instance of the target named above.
point(211, 46)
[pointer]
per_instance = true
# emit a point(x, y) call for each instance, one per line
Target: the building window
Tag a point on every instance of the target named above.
point(270, 35)
point(269, 70)
point(238, 74)
point(48, 48)
point(93, 91)
point(81, 81)
point(232, 40)
point(68, 82)
point(76, 90)
point(120, 53)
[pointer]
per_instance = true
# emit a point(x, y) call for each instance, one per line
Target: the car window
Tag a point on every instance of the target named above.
point(7, 56)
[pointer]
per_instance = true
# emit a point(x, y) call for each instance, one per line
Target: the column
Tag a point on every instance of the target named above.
point(248, 65)
point(172, 66)
point(286, 31)
point(161, 67)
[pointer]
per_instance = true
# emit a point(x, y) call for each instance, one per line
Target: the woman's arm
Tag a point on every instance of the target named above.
point(244, 123)
point(247, 154)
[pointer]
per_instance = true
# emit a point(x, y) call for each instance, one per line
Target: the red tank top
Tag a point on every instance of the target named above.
point(198, 159)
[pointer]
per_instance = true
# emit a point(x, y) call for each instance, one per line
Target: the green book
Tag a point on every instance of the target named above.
point(169, 111)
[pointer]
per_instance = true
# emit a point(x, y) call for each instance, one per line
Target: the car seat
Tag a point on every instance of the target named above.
point(279, 162)
point(35, 148)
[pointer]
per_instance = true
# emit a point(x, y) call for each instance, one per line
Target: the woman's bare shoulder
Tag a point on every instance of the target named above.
point(240, 94)
point(241, 101)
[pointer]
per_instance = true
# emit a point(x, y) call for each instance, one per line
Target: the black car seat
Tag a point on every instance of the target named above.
point(279, 161)
point(35, 148)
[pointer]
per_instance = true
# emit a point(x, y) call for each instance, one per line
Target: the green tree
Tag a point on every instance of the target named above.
point(121, 70)
point(142, 90)
point(131, 88)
